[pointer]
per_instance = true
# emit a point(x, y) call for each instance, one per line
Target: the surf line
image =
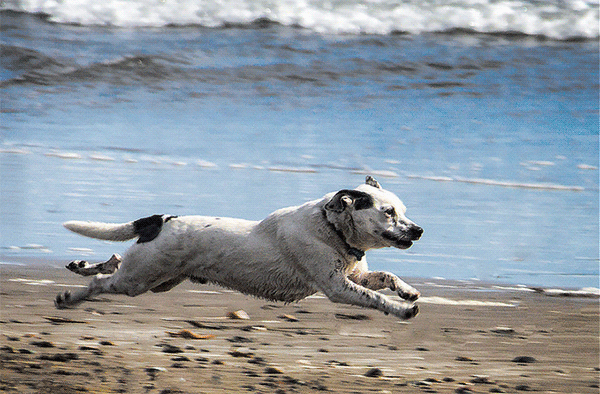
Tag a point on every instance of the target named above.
point(491, 182)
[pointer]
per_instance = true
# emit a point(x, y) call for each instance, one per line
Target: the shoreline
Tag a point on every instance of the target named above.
point(183, 341)
point(35, 262)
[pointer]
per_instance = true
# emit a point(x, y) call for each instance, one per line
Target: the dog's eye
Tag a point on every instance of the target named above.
point(391, 212)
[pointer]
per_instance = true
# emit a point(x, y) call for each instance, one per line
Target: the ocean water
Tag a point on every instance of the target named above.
point(482, 115)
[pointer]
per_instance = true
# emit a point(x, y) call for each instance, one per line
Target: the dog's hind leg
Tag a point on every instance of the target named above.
point(140, 270)
point(103, 284)
point(85, 269)
point(96, 286)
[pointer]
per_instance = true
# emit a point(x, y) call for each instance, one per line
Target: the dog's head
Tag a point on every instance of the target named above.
point(370, 217)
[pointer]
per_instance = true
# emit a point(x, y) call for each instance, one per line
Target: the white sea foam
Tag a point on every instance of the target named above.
point(63, 155)
point(544, 163)
point(36, 247)
point(493, 182)
point(238, 166)
point(86, 251)
point(448, 301)
point(99, 157)
point(33, 282)
point(585, 292)
point(33, 246)
point(205, 164)
point(381, 173)
point(515, 288)
point(293, 169)
point(15, 151)
point(559, 19)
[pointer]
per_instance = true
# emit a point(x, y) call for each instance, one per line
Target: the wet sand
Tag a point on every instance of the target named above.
point(468, 338)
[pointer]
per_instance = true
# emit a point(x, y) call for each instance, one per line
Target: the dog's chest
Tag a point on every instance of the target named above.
point(346, 265)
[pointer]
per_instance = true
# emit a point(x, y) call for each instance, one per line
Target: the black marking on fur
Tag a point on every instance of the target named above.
point(361, 200)
point(359, 254)
point(170, 217)
point(148, 228)
point(372, 182)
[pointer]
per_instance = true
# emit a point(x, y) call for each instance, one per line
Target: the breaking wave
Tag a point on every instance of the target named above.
point(554, 19)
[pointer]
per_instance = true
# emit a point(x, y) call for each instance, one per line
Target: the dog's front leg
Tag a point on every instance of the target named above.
point(377, 280)
point(341, 290)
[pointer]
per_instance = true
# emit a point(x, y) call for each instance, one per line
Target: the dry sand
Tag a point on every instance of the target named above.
point(500, 341)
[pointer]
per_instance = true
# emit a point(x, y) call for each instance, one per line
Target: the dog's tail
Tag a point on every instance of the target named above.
point(105, 231)
point(146, 229)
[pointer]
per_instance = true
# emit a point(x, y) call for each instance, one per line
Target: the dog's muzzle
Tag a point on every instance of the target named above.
point(404, 239)
point(415, 233)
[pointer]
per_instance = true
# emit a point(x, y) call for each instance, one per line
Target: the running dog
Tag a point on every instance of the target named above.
point(293, 253)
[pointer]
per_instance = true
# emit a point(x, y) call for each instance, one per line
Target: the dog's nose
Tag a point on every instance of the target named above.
point(416, 232)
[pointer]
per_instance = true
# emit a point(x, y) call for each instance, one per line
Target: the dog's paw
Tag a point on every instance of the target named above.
point(77, 265)
point(62, 300)
point(409, 294)
point(410, 312)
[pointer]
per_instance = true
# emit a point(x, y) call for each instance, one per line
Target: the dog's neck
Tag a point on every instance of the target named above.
point(359, 254)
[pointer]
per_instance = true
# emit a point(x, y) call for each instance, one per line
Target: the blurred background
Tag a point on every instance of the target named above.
point(481, 115)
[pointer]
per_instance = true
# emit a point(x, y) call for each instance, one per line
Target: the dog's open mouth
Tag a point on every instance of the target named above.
point(398, 242)
point(403, 244)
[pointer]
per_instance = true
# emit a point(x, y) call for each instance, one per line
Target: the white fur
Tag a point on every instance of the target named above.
point(289, 255)
point(105, 231)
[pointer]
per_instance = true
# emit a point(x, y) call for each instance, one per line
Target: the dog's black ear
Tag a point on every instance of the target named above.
point(372, 182)
point(349, 198)
point(338, 203)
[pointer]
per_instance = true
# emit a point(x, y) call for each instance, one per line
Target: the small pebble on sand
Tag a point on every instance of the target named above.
point(42, 344)
point(481, 379)
point(524, 360)
point(187, 334)
point(463, 358)
point(374, 373)
point(238, 315)
point(523, 387)
point(242, 352)
point(171, 349)
point(289, 318)
point(273, 371)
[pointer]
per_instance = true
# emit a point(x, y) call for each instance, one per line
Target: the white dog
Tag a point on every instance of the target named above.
point(293, 253)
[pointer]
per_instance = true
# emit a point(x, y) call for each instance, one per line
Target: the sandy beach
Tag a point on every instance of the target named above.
point(468, 338)
point(482, 118)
